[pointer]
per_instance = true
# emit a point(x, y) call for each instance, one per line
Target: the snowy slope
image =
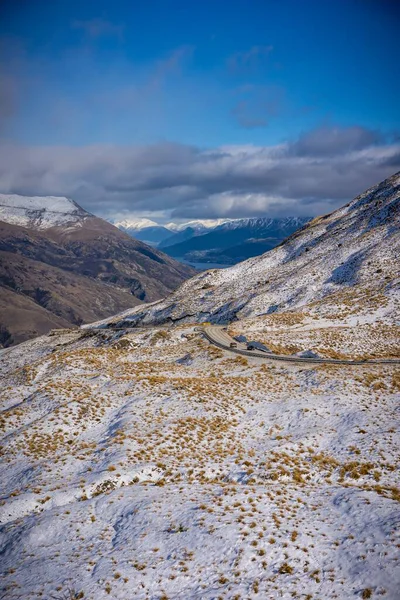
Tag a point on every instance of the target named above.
point(40, 212)
point(154, 466)
point(350, 255)
point(147, 464)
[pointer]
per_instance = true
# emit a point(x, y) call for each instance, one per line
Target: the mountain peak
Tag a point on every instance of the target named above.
point(135, 224)
point(40, 212)
point(61, 266)
point(264, 223)
point(197, 224)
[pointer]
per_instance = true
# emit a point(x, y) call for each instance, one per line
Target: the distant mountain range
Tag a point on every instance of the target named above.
point(235, 241)
point(217, 241)
point(162, 236)
point(152, 235)
point(62, 266)
point(182, 235)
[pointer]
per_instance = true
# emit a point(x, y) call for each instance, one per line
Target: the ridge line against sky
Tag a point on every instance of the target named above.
point(172, 110)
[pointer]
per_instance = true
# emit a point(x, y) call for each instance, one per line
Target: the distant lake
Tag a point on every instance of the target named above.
point(201, 266)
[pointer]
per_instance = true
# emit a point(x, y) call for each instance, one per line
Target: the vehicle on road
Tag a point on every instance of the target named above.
point(261, 351)
point(257, 346)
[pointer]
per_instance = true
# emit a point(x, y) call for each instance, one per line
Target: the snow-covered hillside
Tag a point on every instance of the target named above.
point(147, 464)
point(40, 212)
point(151, 465)
point(346, 261)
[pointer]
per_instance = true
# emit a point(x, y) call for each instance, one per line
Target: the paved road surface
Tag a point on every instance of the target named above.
point(218, 336)
point(221, 338)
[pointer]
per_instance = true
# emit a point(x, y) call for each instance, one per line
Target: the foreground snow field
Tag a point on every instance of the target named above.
point(152, 465)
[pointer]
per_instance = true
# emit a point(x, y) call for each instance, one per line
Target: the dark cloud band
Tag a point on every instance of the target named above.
point(314, 174)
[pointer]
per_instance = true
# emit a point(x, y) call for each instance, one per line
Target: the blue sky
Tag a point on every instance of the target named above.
point(194, 77)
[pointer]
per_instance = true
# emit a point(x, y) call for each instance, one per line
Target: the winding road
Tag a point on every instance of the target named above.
point(220, 337)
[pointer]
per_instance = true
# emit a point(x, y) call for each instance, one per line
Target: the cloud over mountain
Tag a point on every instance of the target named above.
point(311, 175)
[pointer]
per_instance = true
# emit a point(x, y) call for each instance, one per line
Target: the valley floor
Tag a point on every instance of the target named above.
point(155, 466)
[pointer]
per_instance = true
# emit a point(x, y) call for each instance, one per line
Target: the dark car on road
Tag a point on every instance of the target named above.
point(257, 346)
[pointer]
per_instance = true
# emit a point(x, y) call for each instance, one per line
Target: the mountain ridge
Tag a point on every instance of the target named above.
point(73, 266)
point(209, 246)
point(151, 235)
point(134, 224)
point(40, 212)
point(332, 256)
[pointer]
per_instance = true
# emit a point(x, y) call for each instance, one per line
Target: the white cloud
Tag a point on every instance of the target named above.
point(312, 175)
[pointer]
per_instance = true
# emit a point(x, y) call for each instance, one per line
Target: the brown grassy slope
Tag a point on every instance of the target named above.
point(77, 274)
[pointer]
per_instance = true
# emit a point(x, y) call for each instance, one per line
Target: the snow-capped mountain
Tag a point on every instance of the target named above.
point(149, 235)
point(161, 236)
point(348, 256)
point(40, 212)
point(135, 224)
point(60, 265)
point(145, 230)
point(197, 224)
point(233, 237)
point(225, 241)
point(263, 223)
